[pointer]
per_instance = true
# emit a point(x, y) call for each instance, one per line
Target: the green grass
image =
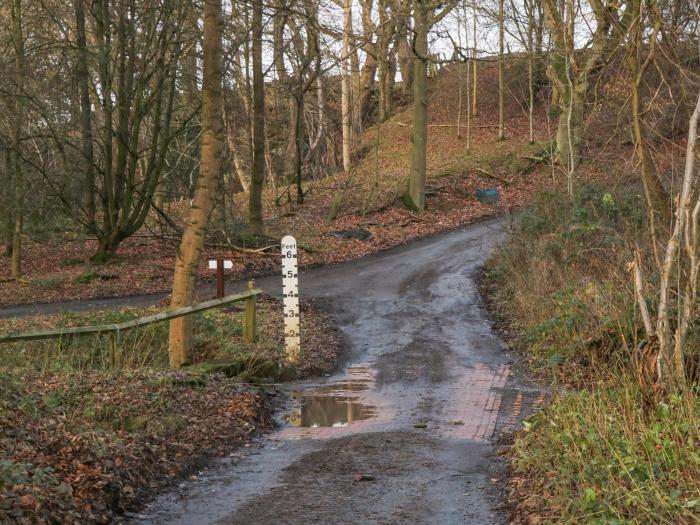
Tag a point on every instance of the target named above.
point(604, 450)
point(218, 337)
point(600, 457)
point(563, 278)
point(70, 422)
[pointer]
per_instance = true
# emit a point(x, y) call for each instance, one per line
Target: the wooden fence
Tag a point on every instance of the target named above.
point(116, 329)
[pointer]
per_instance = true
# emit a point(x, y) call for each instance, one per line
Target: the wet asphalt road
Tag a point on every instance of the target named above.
point(403, 432)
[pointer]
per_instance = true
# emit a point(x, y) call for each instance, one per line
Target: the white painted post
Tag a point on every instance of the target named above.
point(290, 289)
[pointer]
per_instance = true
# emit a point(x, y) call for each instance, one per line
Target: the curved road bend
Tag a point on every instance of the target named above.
point(402, 433)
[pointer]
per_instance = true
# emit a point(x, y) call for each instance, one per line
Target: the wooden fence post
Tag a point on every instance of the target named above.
point(249, 321)
point(115, 350)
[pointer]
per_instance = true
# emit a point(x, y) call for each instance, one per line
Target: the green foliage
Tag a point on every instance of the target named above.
point(87, 277)
point(563, 275)
point(602, 452)
point(604, 459)
point(14, 397)
point(218, 336)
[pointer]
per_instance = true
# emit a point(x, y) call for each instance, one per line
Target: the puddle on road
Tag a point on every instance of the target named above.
point(327, 411)
point(330, 406)
point(342, 386)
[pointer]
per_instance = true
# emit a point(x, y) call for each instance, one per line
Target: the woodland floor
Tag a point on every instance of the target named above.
point(81, 442)
point(368, 198)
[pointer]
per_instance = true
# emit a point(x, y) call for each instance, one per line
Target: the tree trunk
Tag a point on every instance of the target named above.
point(278, 46)
point(16, 162)
point(386, 63)
point(255, 208)
point(299, 140)
point(188, 255)
point(569, 77)
point(405, 57)
point(345, 85)
point(135, 111)
point(85, 113)
point(658, 201)
point(356, 97)
point(369, 68)
point(389, 81)
point(656, 196)
point(380, 49)
point(415, 197)
point(501, 81)
point(6, 199)
point(189, 63)
point(569, 137)
point(474, 62)
point(530, 71)
point(160, 194)
point(675, 315)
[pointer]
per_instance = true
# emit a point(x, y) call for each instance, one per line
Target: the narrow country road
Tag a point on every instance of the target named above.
point(402, 433)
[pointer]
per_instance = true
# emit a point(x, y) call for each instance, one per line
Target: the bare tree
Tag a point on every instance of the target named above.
point(257, 177)
point(425, 16)
point(657, 199)
point(678, 270)
point(345, 85)
point(570, 72)
point(501, 79)
point(17, 126)
point(474, 62)
point(189, 252)
point(83, 78)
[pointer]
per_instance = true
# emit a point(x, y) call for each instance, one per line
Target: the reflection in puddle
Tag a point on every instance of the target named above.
point(342, 386)
point(327, 411)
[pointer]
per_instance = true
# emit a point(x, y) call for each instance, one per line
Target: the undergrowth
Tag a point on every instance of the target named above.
point(604, 449)
point(82, 441)
point(218, 336)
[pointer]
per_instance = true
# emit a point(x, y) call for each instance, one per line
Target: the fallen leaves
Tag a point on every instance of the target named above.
point(82, 445)
point(368, 201)
point(27, 501)
point(64, 463)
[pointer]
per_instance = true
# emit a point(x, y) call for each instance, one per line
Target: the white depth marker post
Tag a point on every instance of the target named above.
point(290, 290)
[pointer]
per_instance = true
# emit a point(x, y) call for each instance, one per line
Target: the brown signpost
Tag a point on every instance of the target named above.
point(220, 264)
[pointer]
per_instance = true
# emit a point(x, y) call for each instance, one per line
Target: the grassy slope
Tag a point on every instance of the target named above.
point(604, 450)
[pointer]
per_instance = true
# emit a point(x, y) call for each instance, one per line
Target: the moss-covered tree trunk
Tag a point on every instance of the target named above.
point(346, 117)
point(189, 252)
point(19, 105)
point(415, 196)
point(570, 73)
point(658, 201)
point(257, 177)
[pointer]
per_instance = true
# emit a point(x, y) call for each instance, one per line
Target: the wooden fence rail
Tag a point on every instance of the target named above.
point(116, 328)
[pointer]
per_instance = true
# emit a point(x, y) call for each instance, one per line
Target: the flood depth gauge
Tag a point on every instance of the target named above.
point(290, 290)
